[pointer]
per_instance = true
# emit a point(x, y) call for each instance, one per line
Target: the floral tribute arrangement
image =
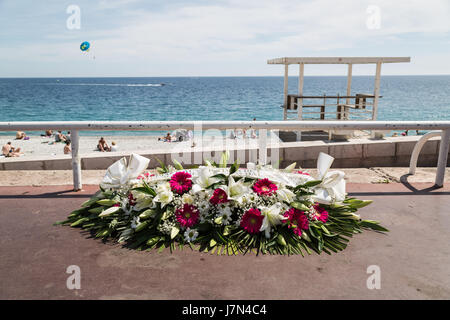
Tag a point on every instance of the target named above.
point(223, 210)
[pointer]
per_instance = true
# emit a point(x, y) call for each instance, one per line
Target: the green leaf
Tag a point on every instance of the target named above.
point(141, 226)
point(149, 213)
point(234, 167)
point(177, 165)
point(281, 241)
point(152, 241)
point(372, 225)
point(357, 204)
point(299, 206)
point(79, 221)
point(224, 159)
point(96, 210)
point(163, 168)
point(312, 183)
point(325, 229)
point(90, 202)
point(106, 202)
point(212, 243)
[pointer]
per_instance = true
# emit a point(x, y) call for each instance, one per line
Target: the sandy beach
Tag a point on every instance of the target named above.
point(43, 146)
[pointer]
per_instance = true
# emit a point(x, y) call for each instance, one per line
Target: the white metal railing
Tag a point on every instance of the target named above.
point(76, 126)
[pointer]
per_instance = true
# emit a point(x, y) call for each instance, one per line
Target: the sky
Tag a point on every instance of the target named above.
point(152, 38)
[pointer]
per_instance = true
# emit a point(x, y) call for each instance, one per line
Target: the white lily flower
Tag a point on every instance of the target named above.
point(272, 217)
point(285, 195)
point(290, 168)
point(163, 187)
point(164, 198)
point(109, 211)
point(204, 179)
point(236, 190)
point(143, 200)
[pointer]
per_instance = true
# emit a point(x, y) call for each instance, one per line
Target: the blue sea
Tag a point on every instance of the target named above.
point(207, 98)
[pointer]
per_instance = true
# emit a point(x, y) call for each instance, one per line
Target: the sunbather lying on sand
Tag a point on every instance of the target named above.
point(167, 138)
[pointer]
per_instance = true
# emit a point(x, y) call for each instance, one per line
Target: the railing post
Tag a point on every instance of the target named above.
point(262, 156)
point(418, 147)
point(443, 155)
point(76, 161)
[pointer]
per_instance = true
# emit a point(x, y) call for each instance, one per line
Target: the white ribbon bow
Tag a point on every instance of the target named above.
point(332, 188)
point(121, 172)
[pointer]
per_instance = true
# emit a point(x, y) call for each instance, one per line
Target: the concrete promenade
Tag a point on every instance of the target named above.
point(414, 257)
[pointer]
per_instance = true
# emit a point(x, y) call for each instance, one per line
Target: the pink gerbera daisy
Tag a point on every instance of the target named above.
point(219, 196)
point(320, 213)
point(296, 220)
point(252, 220)
point(180, 182)
point(187, 216)
point(264, 187)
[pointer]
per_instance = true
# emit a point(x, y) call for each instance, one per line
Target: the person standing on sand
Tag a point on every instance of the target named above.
point(67, 148)
point(10, 151)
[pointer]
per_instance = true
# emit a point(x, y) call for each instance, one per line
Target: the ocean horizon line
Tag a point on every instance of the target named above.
point(236, 76)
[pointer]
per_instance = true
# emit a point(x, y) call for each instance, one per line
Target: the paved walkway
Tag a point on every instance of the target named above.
point(414, 257)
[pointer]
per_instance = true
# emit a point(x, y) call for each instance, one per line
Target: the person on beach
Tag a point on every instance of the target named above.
point(253, 131)
point(59, 137)
point(102, 145)
point(9, 151)
point(168, 137)
point(20, 135)
point(113, 147)
point(406, 133)
point(67, 148)
point(48, 133)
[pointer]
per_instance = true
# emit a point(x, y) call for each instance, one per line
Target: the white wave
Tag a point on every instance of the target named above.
point(111, 84)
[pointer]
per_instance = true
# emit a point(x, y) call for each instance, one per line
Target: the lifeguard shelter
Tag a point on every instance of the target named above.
point(361, 106)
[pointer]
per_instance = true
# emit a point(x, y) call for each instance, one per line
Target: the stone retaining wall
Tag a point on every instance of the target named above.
point(362, 153)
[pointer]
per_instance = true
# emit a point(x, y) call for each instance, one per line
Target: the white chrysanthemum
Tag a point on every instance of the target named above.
point(225, 214)
point(190, 235)
point(203, 207)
